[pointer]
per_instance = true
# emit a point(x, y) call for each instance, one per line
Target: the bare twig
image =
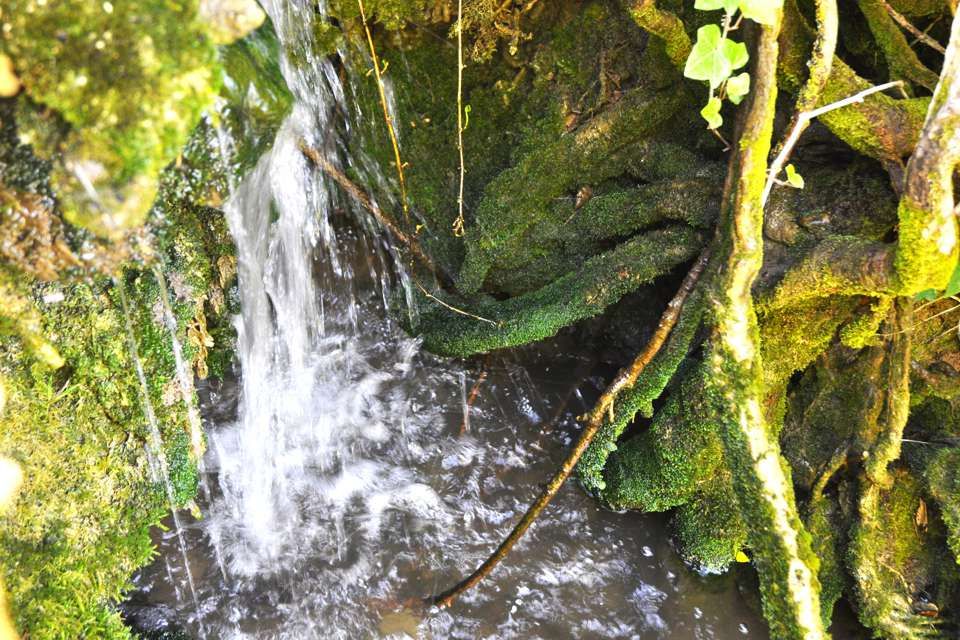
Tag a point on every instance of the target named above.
point(382, 217)
point(453, 308)
point(386, 112)
point(803, 119)
point(920, 36)
point(821, 65)
point(603, 407)
point(471, 398)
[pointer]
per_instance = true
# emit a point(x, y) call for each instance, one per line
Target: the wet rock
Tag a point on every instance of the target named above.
point(230, 20)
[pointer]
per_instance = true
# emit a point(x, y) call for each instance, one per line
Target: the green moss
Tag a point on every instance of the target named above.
point(664, 466)
point(584, 293)
point(890, 558)
point(824, 523)
point(920, 263)
point(84, 61)
point(942, 475)
point(640, 397)
point(709, 531)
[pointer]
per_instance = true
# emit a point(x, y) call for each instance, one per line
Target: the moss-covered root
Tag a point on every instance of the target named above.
point(584, 293)
point(639, 398)
point(927, 245)
point(901, 58)
point(882, 541)
point(709, 530)
point(879, 127)
point(665, 25)
point(664, 466)
point(785, 562)
point(942, 474)
point(822, 521)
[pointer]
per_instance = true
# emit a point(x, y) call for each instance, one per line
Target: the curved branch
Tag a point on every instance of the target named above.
point(901, 59)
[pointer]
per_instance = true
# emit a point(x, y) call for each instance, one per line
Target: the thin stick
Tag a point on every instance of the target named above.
point(625, 379)
point(386, 113)
point(821, 64)
point(382, 217)
point(803, 119)
point(453, 308)
point(458, 223)
point(471, 398)
point(920, 36)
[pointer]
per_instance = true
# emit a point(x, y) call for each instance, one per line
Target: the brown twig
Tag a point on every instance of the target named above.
point(377, 71)
point(471, 398)
point(367, 203)
point(604, 407)
point(920, 36)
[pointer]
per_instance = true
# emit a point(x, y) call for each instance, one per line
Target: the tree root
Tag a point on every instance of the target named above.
point(601, 411)
point(601, 281)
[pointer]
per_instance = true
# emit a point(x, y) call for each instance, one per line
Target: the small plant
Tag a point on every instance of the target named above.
point(715, 57)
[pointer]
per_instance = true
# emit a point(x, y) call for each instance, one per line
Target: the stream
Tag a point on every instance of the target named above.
point(348, 471)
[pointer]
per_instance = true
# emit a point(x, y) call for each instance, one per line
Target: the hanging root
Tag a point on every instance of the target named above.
point(585, 293)
point(784, 559)
point(600, 413)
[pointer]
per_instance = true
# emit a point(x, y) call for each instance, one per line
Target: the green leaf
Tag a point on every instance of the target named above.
point(710, 59)
point(762, 11)
point(794, 179)
point(735, 53)
point(737, 87)
point(711, 113)
point(927, 295)
point(953, 287)
point(730, 6)
point(466, 117)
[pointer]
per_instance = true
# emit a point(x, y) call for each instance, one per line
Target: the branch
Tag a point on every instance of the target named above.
point(784, 559)
point(411, 244)
point(603, 407)
point(901, 59)
point(927, 241)
point(906, 24)
point(665, 26)
point(803, 119)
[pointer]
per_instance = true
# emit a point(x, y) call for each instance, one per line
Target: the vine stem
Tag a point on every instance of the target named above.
point(458, 223)
point(386, 113)
point(604, 407)
point(803, 119)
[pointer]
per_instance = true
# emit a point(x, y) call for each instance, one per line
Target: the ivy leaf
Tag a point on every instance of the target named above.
point(794, 179)
point(741, 556)
point(953, 287)
point(762, 11)
point(711, 113)
point(927, 295)
point(730, 6)
point(710, 59)
point(735, 53)
point(737, 87)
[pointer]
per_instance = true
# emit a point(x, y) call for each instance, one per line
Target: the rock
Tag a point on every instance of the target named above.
point(230, 20)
